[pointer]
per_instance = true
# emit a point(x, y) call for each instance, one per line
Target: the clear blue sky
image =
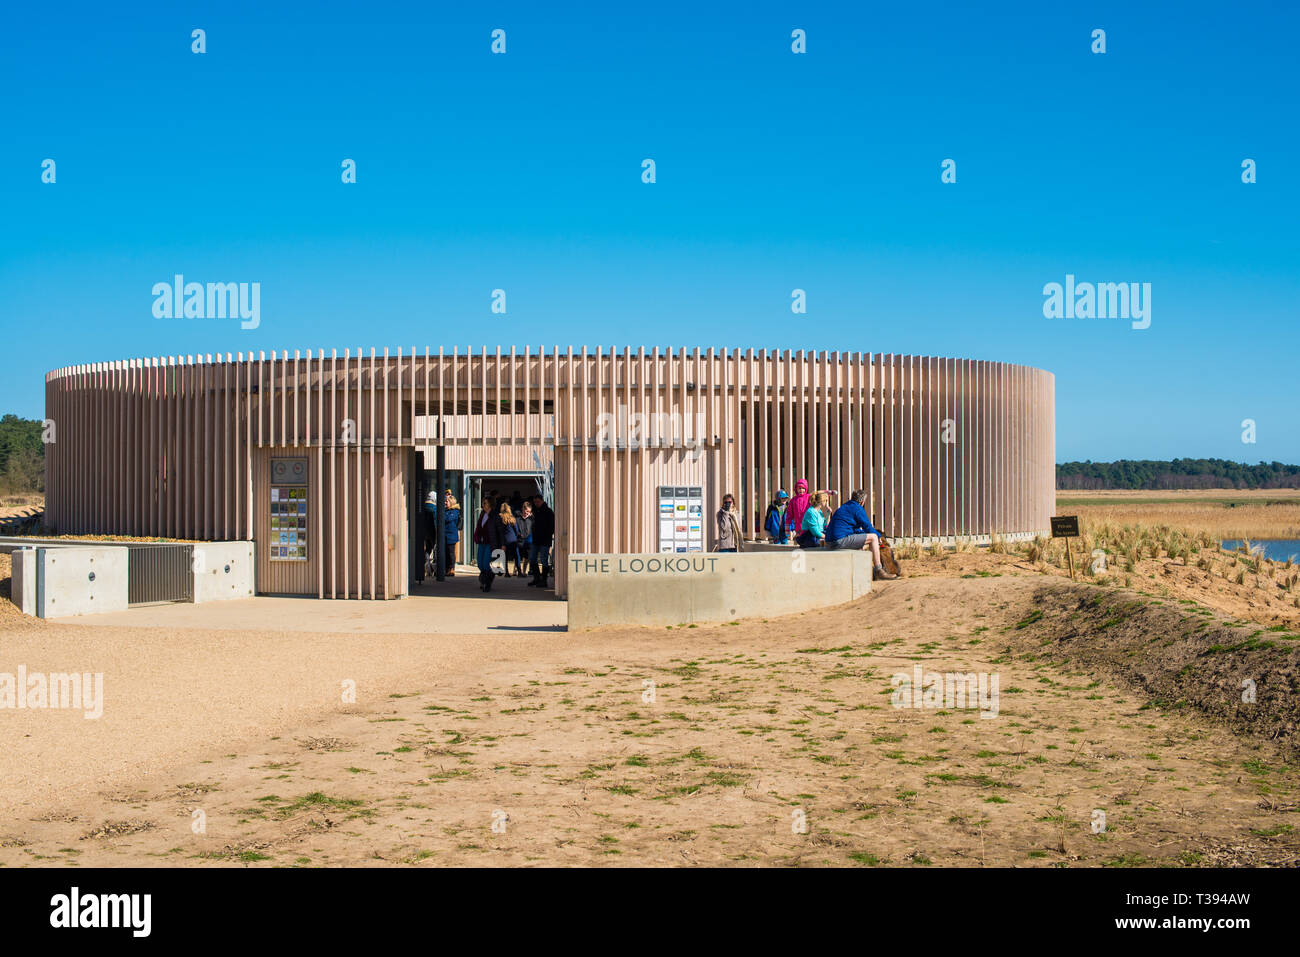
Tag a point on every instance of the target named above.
point(775, 171)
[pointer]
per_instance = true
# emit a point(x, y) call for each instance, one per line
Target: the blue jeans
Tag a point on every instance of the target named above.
point(856, 540)
point(484, 557)
point(539, 556)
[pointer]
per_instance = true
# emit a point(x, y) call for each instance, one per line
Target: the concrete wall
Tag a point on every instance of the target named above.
point(673, 589)
point(80, 581)
point(222, 571)
point(22, 585)
point(53, 581)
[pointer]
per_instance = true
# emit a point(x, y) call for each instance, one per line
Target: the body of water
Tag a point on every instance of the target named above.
point(1278, 549)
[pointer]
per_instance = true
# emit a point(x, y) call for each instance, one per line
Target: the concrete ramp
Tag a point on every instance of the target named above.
point(674, 588)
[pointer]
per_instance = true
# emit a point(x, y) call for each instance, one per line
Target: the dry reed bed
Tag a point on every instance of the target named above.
point(1215, 520)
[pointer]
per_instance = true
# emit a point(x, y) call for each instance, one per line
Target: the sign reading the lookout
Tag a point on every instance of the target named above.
point(638, 565)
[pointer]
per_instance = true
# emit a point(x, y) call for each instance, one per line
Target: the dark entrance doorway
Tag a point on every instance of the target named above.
point(423, 517)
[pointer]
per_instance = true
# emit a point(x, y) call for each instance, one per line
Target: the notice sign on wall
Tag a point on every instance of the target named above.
point(681, 518)
point(288, 510)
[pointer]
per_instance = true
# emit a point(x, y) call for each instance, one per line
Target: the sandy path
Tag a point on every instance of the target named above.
point(753, 727)
point(172, 695)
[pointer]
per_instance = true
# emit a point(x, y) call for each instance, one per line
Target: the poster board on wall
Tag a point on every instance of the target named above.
point(289, 509)
point(681, 518)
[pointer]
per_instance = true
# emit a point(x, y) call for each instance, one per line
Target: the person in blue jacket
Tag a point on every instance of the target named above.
point(850, 527)
point(774, 520)
point(451, 528)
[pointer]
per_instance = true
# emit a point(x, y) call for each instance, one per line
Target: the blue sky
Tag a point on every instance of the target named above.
point(775, 171)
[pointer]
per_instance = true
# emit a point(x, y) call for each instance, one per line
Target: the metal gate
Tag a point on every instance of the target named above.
point(158, 573)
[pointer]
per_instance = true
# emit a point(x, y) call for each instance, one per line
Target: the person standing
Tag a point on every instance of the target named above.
point(774, 520)
point(450, 528)
point(489, 537)
point(729, 539)
point(509, 526)
point(524, 523)
point(543, 537)
point(798, 505)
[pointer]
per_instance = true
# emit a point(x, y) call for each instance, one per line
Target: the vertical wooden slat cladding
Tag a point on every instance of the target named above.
point(181, 446)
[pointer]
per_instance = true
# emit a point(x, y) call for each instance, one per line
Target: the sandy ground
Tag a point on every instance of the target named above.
point(21, 503)
point(169, 694)
point(452, 607)
point(766, 742)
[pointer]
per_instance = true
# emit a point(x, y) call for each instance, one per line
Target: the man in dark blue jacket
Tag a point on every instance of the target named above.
point(850, 527)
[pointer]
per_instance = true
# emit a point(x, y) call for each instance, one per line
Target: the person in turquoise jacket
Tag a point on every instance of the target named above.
point(813, 533)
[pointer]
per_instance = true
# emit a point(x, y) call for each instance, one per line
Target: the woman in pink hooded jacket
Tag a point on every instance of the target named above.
point(798, 505)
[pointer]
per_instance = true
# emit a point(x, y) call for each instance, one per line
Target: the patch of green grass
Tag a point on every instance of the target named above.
point(863, 857)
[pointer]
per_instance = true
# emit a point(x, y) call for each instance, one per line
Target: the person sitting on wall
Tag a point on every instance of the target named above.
point(850, 527)
point(814, 522)
point(774, 520)
point(729, 539)
point(539, 555)
point(489, 538)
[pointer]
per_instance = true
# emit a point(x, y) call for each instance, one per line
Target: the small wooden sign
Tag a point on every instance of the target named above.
point(1065, 526)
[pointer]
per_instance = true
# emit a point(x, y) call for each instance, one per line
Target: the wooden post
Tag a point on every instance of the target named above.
point(440, 533)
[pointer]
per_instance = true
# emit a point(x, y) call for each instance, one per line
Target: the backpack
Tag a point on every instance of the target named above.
point(773, 528)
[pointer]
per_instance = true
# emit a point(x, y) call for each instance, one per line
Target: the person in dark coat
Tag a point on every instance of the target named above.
point(524, 523)
point(489, 539)
point(539, 555)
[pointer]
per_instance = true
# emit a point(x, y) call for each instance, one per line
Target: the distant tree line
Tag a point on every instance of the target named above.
point(22, 455)
point(1178, 473)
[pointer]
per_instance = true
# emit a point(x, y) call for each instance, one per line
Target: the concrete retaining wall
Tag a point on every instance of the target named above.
point(52, 580)
point(672, 589)
point(222, 571)
point(80, 581)
point(22, 584)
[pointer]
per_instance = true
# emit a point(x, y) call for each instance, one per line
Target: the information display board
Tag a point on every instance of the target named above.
point(289, 510)
point(681, 518)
